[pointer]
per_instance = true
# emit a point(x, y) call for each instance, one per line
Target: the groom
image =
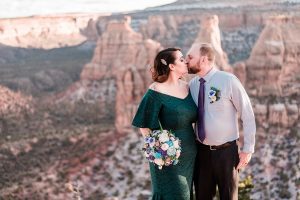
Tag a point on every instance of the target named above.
point(221, 99)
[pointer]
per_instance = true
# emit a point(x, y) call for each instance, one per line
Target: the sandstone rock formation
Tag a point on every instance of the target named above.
point(210, 33)
point(239, 29)
point(271, 78)
point(72, 146)
point(162, 28)
point(122, 59)
point(273, 67)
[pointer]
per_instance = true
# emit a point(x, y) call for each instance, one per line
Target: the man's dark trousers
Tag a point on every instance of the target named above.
point(216, 168)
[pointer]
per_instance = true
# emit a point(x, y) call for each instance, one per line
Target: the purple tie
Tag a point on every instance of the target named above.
point(201, 129)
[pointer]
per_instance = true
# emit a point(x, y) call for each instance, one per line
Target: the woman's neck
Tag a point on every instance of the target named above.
point(172, 81)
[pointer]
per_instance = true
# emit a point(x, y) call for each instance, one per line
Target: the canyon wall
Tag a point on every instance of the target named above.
point(48, 32)
point(83, 134)
point(123, 58)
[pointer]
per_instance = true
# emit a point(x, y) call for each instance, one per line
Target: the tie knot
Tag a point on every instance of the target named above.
point(202, 80)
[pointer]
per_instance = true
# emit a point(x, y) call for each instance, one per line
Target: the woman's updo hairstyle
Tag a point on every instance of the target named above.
point(161, 70)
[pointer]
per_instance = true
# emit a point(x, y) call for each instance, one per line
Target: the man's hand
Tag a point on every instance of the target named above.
point(244, 160)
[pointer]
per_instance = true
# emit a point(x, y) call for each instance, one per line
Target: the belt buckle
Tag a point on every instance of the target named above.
point(211, 148)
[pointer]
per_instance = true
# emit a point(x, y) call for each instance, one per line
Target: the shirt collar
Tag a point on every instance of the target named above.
point(210, 74)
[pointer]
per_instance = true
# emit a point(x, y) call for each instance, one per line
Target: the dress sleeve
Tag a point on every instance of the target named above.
point(147, 113)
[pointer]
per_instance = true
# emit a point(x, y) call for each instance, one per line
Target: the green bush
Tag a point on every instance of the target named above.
point(245, 188)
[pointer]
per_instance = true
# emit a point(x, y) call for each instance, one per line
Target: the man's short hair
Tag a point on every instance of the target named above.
point(206, 49)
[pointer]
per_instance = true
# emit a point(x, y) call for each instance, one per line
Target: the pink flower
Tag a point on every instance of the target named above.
point(159, 161)
point(165, 147)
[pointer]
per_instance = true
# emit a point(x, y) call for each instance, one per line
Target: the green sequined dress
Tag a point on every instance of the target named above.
point(176, 114)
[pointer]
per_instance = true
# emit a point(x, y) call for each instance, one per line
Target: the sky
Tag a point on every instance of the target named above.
point(22, 8)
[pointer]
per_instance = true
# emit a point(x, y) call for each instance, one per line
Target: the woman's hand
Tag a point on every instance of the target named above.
point(145, 131)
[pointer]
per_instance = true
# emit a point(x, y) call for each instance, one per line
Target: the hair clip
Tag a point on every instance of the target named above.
point(163, 61)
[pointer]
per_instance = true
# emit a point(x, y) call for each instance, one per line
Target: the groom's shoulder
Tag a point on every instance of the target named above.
point(225, 75)
point(193, 80)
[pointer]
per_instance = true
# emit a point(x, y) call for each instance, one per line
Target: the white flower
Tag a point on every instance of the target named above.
point(171, 151)
point(163, 137)
point(213, 98)
point(159, 161)
point(146, 154)
point(165, 147)
point(176, 144)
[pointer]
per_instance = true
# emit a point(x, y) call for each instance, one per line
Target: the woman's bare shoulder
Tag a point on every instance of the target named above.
point(155, 86)
point(152, 86)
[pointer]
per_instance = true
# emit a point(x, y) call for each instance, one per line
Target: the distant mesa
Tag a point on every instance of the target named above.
point(47, 32)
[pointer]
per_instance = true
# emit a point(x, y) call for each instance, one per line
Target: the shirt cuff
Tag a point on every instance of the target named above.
point(248, 149)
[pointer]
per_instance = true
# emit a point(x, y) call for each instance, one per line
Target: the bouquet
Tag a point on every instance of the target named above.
point(162, 148)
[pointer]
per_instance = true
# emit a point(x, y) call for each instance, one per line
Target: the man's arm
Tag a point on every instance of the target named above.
point(242, 103)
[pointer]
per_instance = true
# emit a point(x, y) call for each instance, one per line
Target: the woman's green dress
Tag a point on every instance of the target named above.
point(176, 114)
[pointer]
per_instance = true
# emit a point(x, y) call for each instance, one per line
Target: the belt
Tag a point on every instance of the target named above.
point(216, 147)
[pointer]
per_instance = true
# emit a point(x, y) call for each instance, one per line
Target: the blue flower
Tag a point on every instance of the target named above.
point(149, 140)
point(212, 93)
point(157, 155)
point(170, 143)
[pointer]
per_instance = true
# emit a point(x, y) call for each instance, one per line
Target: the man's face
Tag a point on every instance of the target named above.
point(193, 60)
